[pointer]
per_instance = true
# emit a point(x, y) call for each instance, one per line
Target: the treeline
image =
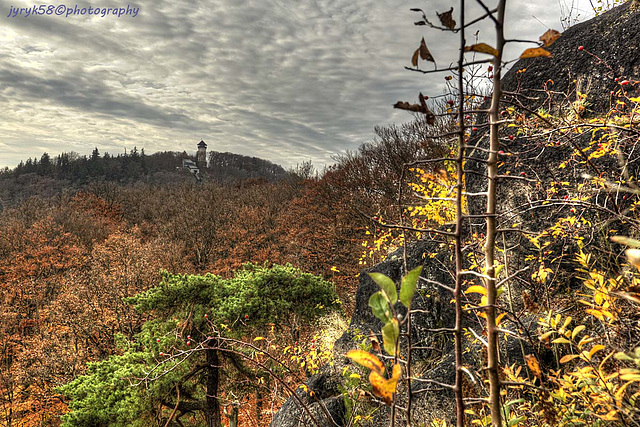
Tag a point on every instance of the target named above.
point(48, 176)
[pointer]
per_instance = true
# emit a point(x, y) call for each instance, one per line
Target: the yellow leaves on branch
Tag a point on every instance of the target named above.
point(382, 387)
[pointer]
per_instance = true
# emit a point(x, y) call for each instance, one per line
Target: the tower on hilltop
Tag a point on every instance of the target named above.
point(201, 157)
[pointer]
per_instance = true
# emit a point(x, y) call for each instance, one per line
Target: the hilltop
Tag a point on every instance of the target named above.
point(49, 176)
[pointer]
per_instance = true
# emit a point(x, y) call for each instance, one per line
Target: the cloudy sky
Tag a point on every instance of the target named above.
point(285, 80)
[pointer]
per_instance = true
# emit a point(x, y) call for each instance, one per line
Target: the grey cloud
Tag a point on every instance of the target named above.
point(282, 79)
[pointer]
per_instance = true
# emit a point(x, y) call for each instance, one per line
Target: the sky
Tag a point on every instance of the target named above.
point(284, 80)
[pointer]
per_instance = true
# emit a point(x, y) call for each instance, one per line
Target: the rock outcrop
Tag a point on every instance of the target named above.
point(611, 50)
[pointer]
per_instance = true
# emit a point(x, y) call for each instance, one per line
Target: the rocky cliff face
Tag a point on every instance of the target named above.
point(611, 51)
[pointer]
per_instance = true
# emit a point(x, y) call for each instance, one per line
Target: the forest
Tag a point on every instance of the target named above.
point(477, 265)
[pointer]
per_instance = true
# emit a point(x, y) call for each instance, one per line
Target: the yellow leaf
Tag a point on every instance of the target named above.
point(620, 393)
point(566, 322)
point(546, 335)
point(561, 340)
point(476, 289)
point(533, 365)
point(610, 416)
point(482, 48)
point(595, 313)
point(535, 52)
point(499, 318)
point(596, 348)
point(385, 388)
point(568, 358)
point(367, 360)
point(259, 338)
point(577, 330)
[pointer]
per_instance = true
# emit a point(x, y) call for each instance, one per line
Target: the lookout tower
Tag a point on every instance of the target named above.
point(201, 157)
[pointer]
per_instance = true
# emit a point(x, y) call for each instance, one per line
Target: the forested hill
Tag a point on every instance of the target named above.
point(49, 175)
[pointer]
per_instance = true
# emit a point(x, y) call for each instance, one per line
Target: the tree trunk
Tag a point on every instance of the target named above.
point(211, 406)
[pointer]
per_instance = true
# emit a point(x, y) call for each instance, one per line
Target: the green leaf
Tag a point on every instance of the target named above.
point(380, 306)
point(408, 286)
point(390, 334)
point(387, 286)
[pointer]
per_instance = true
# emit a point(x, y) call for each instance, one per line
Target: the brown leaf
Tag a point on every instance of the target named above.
point(424, 52)
point(549, 37)
point(417, 108)
point(447, 19)
point(529, 304)
point(535, 52)
point(375, 343)
point(414, 58)
point(482, 48)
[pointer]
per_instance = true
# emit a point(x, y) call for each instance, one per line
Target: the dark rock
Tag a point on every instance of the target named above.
point(611, 50)
point(322, 390)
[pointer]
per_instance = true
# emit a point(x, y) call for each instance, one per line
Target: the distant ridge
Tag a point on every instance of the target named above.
point(49, 176)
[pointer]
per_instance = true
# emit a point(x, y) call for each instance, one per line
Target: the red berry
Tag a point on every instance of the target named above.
point(580, 47)
point(205, 316)
point(490, 76)
point(616, 79)
point(511, 137)
point(161, 354)
point(613, 93)
point(467, 117)
point(557, 142)
point(490, 68)
point(188, 342)
point(246, 316)
point(474, 128)
point(447, 78)
point(566, 197)
point(450, 102)
point(573, 210)
point(158, 340)
point(624, 197)
point(522, 173)
point(501, 152)
point(624, 82)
